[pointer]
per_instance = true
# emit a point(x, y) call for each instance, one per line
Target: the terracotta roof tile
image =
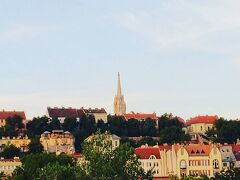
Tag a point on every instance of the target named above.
point(202, 119)
point(10, 114)
point(146, 152)
point(140, 116)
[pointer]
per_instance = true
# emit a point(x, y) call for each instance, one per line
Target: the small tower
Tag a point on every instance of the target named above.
point(119, 103)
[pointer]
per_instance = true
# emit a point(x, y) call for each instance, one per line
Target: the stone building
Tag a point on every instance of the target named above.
point(58, 142)
point(119, 103)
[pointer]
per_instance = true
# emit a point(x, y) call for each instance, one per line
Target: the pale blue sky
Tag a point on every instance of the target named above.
point(178, 56)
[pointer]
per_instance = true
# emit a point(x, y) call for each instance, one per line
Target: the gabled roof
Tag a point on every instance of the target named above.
point(202, 119)
point(10, 114)
point(147, 152)
point(139, 116)
point(62, 112)
point(198, 150)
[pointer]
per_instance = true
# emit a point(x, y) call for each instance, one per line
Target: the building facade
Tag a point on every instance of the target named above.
point(4, 115)
point(119, 103)
point(181, 160)
point(7, 166)
point(20, 142)
point(58, 142)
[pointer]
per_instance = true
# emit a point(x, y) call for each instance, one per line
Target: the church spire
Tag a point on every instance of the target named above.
point(119, 103)
point(119, 90)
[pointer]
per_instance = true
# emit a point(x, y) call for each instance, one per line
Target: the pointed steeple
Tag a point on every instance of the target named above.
point(119, 103)
point(119, 90)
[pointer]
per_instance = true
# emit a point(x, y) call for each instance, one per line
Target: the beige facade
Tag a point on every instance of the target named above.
point(20, 142)
point(199, 128)
point(7, 166)
point(58, 142)
point(181, 160)
point(119, 103)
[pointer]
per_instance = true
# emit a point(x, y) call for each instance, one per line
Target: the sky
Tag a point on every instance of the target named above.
point(174, 56)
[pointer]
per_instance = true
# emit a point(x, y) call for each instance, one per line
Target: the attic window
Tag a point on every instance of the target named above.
point(197, 152)
point(192, 152)
point(202, 151)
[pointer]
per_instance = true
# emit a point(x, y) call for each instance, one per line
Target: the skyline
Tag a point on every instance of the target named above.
point(177, 57)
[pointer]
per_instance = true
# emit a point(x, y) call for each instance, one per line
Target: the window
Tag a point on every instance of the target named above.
point(215, 164)
point(183, 164)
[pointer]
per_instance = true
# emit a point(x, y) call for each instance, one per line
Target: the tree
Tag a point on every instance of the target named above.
point(55, 124)
point(147, 140)
point(35, 146)
point(32, 164)
point(9, 152)
point(57, 171)
point(233, 174)
point(37, 126)
point(173, 135)
point(133, 127)
point(69, 124)
point(104, 162)
point(117, 125)
point(149, 128)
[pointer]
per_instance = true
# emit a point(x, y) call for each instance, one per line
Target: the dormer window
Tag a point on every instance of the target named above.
point(192, 152)
point(202, 152)
point(152, 157)
point(197, 152)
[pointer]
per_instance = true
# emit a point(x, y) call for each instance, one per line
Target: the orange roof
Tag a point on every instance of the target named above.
point(202, 119)
point(140, 116)
point(146, 152)
point(236, 148)
point(10, 114)
point(76, 155)
point(198, 150)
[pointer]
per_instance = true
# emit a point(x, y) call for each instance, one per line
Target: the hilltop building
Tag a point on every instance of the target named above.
point(140, 116)
point(20, 142)
point(119, 103)
point(62, 113)
point(4, 115)
point(58, 142)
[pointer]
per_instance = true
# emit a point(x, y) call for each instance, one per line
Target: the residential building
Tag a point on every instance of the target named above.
point(58, 142)
point(236, 152)
point(228, 158)
point(99, 114)
point(4, 115)
point(62, 113)
point(140, 116)
point(119, 103)
point(7, 166)
point(181, 160)
point(199, 125)
point(110, 137)
point(19, 142)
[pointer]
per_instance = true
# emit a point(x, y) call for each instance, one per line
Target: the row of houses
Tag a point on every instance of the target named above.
point(192, 159)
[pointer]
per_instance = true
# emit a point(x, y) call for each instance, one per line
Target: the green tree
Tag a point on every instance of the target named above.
point(133, 127)
point(10, 152)
point(55, 124)
point(104, 162)
point(147, 140)
point(173, 135)
point(117, 125)
point(37, 126)
point(35, 146)
point(56, 171)
point(233, 174)
point(148, 128)
point(69, 124)
point(32, 164)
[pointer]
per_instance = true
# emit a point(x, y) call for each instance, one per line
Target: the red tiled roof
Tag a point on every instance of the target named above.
point(140, 116)
point(198, 150)
point(10, 114)
point(236, 148)
point(75, 155)
point(202, 119)
point(62, 112)
point(146, 152)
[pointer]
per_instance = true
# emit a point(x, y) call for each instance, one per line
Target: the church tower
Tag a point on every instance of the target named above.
point(119, 103)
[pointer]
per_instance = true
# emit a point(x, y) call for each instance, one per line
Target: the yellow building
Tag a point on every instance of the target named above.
point(58, 142)
point(200, 124)
point(4, 115)
point(180, 160)
point(20, 142)
point(7, 166)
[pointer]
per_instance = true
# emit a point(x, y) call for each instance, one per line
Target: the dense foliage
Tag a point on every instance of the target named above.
point(225, 131)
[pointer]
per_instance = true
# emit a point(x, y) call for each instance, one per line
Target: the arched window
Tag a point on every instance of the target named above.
point(183, 164)
point(215, 164)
